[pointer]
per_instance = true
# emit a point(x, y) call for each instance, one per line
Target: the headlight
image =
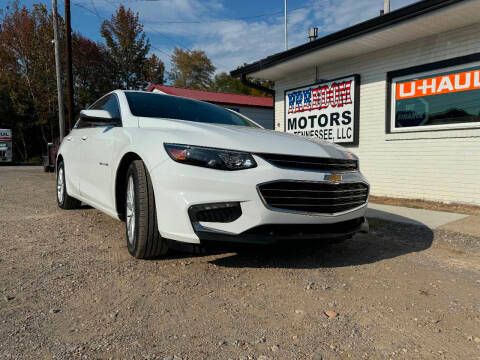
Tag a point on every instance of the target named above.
point(211, 158)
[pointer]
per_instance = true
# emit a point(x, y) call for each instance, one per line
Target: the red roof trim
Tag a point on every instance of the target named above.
point(215, 97)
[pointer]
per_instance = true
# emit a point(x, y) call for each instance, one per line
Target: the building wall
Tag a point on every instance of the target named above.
point(436, 165)
point(262, 116)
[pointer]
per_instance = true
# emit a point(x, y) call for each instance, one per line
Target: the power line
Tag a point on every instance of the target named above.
point(114, 5)
point(228, 19)
point(179, 21)
point(175, 42)
point(105, 19)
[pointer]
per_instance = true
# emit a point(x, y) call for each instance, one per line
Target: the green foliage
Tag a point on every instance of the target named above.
point(154, 70)
point(223, 82)
point(128, 48)
point(191, 69)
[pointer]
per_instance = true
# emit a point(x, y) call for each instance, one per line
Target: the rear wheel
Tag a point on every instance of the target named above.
point(143, 237)
point(64, 200)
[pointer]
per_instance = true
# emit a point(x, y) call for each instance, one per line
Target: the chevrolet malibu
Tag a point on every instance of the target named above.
point(179, 170)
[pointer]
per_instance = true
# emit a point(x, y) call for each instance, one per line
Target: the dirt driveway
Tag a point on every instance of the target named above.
point(69, 290)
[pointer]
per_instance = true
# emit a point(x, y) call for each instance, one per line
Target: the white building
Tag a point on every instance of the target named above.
point(401, 90)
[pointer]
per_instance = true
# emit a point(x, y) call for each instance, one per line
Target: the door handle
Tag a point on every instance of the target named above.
point(69, 138)
point(84, 137)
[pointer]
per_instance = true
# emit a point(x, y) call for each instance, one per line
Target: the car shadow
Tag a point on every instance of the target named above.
point(386, 240)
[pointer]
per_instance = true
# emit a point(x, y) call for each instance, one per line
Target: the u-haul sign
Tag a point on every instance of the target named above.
point(5, 134)
point(437, 85)
point(327, 110)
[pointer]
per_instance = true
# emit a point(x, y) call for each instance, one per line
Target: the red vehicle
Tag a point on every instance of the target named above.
point(49, 160)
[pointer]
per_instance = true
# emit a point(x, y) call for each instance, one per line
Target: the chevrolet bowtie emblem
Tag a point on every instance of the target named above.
point(333, 177)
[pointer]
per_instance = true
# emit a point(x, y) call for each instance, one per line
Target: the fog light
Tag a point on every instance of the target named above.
point(215, 212)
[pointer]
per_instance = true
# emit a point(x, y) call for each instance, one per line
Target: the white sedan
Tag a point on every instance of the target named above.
point(180, 170)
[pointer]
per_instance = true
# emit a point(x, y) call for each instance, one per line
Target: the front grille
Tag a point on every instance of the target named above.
point(310, 163)
point(313, 197)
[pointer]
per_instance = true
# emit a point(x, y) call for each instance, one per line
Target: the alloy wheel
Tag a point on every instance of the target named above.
point(130, 210)
point(60, 185)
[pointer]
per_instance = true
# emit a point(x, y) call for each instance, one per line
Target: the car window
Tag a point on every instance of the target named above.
point(98, 105)
point(108, 103)
point(111, 105)
point(172, 107)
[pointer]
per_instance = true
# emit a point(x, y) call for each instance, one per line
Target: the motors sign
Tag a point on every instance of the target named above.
point(327, 110)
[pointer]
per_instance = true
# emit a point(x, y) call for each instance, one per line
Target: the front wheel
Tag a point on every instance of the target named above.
point(64, 200)
point(143, 238)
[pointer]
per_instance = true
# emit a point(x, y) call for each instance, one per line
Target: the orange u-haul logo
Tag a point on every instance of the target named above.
point(445, 84)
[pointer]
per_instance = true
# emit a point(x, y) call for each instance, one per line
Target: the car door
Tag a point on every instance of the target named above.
point(72, 155)
point(98, 146)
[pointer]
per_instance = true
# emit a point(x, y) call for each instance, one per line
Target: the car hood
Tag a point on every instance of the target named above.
point(242, 138)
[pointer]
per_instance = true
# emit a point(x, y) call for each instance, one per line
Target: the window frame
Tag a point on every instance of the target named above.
point(449, 65)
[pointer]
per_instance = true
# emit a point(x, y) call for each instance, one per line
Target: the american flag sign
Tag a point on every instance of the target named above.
point(325, 110)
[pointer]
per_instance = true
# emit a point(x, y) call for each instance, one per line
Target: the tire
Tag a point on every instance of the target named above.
point(143, 238)
point(64, 200)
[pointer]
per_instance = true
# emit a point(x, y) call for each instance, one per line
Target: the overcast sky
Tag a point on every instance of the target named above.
point(231, 32)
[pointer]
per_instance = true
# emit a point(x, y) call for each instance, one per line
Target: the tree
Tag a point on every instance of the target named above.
point(225, 83)
point(128, 47)
point(154, 70)
point(265, 83)
point(191, 69)
point(92, 77)
point(26, 53)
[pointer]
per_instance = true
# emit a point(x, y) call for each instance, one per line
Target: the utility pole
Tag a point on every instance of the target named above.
point(68, 56)
point(285, 25)
point(61, 119)
point(386, 6)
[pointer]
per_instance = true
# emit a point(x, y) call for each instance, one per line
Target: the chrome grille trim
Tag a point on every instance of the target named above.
point(309, 163)
point(313, 202)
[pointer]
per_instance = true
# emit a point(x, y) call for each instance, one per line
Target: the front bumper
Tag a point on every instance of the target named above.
point(178, 187)
point(272, 233)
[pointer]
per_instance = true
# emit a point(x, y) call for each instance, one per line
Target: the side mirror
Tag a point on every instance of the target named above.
point(98, 115)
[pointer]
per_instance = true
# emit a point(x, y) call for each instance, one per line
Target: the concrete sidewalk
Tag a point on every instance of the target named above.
point(429, 218)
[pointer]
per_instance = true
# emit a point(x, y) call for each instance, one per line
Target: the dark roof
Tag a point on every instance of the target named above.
point(408, 12)
point(215, 97)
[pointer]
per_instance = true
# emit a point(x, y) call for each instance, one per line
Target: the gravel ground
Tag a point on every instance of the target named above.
point(70, 290)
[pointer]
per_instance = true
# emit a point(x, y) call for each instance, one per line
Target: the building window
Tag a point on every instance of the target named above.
point(444, 98)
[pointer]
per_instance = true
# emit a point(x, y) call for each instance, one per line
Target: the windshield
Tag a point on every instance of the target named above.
point(172, 107)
